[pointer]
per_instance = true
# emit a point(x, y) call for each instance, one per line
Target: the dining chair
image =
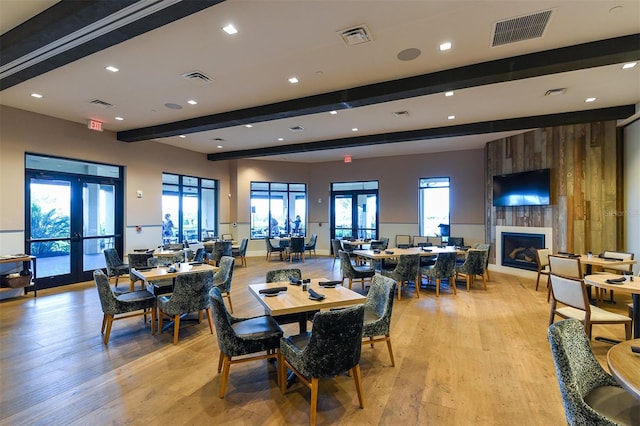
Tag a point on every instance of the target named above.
point(377, 313)
point(223, 277)
point(220, 248)
point(352, 272)
point(542, 257)
point(190, 294)
point(121, 306)
point(570, 300)
point(589, 394)
point(455, 241)
point(336, 246)
point(285, 275)
point(487, 247)
point(420, 241)
point(332, 347)
point(115, 266)
point(474, 264)
point(310, 246)
point(403, 241)
point(615, 269)
point(239, 337)
point(296, 249)
point(564, 266)
point(445, 267)
point(139, 260)
point(241, 251)
point(198, 256)
point(407, 269)
point(272, 249)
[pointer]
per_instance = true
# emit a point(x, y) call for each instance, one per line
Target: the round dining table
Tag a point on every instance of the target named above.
point(624, 365)
point(627, 286)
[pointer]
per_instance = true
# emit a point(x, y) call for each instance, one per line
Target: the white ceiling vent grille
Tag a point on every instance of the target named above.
point(297, 129)
point(101, 104)
point(521, 28)
point(197, 77)
point(355, 35)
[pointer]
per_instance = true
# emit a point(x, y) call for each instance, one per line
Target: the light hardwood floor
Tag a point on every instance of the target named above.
point(477, 358)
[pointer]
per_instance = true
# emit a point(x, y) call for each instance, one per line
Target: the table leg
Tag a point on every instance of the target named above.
point(636, 315)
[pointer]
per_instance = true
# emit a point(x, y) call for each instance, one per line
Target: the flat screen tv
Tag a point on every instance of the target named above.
point(522, 189)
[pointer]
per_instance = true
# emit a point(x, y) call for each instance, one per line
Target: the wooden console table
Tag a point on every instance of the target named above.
point(27, 261)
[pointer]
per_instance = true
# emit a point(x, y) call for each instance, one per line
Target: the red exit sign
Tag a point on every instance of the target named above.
point(94, 125)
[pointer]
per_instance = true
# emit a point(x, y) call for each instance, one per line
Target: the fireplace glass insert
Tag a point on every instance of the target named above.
point(519, 250)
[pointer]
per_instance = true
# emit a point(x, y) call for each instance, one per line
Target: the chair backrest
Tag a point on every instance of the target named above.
point(570, 291)
point(484, 246)
point(243, 246)
point(190, 293)
point(542, 256)
point(578, 371)
point(112, 259)
point(380, 300)
point(108, 300)
point(475, 262)
point(336, 247)
point(619, 255)
point(456, 241)
point(221, 248)
point(139, 260)
point(445, 265)
point(345, 264)
point(297, 245)
point(312, 241)
point(407, 267)
point(199, 255)
point(403, 241)
point(227, 237)
point(282, 275)
point(565, 266)
point(223, 277)
point(335, 343)
point(267, 243)
point(377, 245)
point(420, 241)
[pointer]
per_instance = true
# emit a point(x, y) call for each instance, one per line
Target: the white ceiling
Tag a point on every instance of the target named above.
point(281, 39)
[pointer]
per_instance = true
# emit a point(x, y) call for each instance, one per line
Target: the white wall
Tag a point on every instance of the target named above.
point(632, 189)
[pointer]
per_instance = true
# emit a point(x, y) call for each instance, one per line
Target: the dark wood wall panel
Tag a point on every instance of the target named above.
point(585, 178)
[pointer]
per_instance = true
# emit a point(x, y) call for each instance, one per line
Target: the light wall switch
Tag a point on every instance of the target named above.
point(139, 193)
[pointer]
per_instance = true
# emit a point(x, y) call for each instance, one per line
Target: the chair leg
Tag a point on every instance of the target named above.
point(438, 287)
point(388, 338)
point(452, 283)
point(282, 373)
point(468, 282)
point(484, 282)
point(226, 364)
point(350, 282)
point(399, 290)
point(357, 377)
point(210, 318)
point(220, 359)
point(108, 330)
point(104, 323)
point(228, 296)
point(176, 328)
point(538, 281)
point(314, 399)
point(153, 321)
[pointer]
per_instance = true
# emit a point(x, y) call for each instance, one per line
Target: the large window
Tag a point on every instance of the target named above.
point(434, 206)
point(278, 209)
point(189, 208)
point(354, 210)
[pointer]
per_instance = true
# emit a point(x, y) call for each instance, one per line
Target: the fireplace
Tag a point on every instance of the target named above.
point(519, 249)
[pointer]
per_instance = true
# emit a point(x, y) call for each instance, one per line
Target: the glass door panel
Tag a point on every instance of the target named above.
point(98, 224)
point(343, 216)
point(367, 207)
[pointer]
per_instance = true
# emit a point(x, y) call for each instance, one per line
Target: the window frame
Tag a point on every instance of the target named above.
point(279, 196)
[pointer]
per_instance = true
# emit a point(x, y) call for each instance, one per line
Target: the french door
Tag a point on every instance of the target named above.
point(71, 219)
point(354, 212)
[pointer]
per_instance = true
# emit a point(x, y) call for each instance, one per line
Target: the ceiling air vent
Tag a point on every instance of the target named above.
point(355, 35)
point(101, 104)
point(521, 28)
point(196, 77)
point(297, 129)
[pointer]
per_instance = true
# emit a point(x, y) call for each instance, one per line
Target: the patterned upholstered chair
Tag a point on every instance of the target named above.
point(272, 249)
point(377, 312)
point(473, 265)
point(198, 255)
point(173, 246)
point(117, 307)
point(542, 258)
point(241, 251)
point(220, 248)
point(589, 394)
point(407, 269)
point(310, 246)
point(115, 265)
point(190, 294)
point(335, 247)
point(487, 247)
point(238, 337)
point(284, 275)
point(445, 267)
point(139, 260)
point(223, 277)
point(332, 347)
point(354, 272)
point(295, 249)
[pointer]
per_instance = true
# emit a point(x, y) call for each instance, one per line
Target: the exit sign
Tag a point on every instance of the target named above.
point(94, 125)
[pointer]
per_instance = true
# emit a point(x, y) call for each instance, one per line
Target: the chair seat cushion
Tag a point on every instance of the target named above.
point(135, 296)
point(370, 316)
point(256, 328)
point(615, 403)
point(363, 272)
point(597, 314)
point(300, 341)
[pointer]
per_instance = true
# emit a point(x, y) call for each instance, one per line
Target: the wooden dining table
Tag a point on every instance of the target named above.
point(163, 273)
point(628, 286)
point(296, 300)
point(624, 365)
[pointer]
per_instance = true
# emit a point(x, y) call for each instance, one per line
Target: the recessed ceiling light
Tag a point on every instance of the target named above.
point(280, 139)
point(451, 117)
point(248, 126)
point(119, 118)
point(590, 99)
point(333, 112)
point(192, 102)
point(111, 68)
point(229, 29)
point(355, 129)
point(449, 93)
point(182, 136)
point(36, 95)
point(220, 147)
point(629, 65)
point(445, 46)
point(293, 80)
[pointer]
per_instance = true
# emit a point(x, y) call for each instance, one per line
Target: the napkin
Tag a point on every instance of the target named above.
point(615, 280)
point(329, 283)
point(295, 281)
point(389, 251)
point(315, 296)
point(274, 290)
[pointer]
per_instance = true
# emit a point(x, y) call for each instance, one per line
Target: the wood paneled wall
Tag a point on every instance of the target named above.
point(586, 184)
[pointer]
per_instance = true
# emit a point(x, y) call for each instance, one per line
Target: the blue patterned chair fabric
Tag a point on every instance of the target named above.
point(241, 251)
point(190, 294)
point(473, 265)
point(377, 312)
point(115, 266)
point(223, 277)
point(242, 336)
point(589, 394)
point(332, 347)
point(407, 269)
point(284, 275)
point(445, 267)
point(311, 245)
point(296, 248)
point(335, 247)
point(139, 260)
point(487, 247)
point(127, 303)
point(220, 248)
point(272, 249)
point(354, 272)
point(198, 256)
point(173, 246)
